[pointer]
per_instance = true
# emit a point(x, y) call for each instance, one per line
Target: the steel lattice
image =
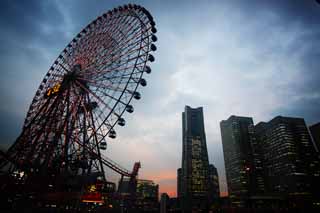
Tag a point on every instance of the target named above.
point(85, 94)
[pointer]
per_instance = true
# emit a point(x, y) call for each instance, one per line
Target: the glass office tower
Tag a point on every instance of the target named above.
point(194, 177)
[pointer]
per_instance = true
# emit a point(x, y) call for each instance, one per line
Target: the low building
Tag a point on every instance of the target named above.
point(164, 203)
point(147, 196)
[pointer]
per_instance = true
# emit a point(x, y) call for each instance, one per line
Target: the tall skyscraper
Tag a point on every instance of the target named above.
point(290, 159)
point(315, 133)
point(242, 160)
point(214, 191)
point(179, 182)
point(194, 180)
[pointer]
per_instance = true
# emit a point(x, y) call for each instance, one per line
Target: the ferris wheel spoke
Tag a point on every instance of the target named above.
point(112, 97)
point(128, 60)
point(129, 47)
point(64, 68)
point(69, 129)
point(95, 96)
point(107, 60)
point(108, 86)
point(46, 122)
point(128, 40)
point(123, 76)
point(99, 118)
point(96, 73)
point(111, 58)
point(91, 39)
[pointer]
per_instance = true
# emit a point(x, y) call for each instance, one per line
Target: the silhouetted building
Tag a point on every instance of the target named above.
point(179, 183)
point(243, 164)
point(124, 186)
point(143, 197)
point(290, 159)
point(168, 204)
point(315, 133)
point(214, 191)
point(147, 195)
point(164, 203)
point(109, 187)
point(174, 205)
point(194, 190)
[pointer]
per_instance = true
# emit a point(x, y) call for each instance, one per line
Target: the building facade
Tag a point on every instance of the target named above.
point(179, 182)
point(315, 133)
point(291, 162)
point(274, 163)
point(147, 194)
point(194, 177)
point(214, 191)
point(243, 163)
point(164, 203)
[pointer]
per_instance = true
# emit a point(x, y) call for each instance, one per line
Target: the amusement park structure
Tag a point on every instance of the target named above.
point(78, 104)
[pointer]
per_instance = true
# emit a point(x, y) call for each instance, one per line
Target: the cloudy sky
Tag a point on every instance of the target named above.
point(257, 58)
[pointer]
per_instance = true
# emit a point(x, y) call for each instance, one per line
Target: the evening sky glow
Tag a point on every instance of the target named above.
point(241, 57)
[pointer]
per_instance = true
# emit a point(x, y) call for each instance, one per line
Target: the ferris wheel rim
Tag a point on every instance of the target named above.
point(49, 91)
point(89, 26)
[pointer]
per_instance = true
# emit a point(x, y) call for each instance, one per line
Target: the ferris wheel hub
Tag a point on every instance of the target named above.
point(72, 76)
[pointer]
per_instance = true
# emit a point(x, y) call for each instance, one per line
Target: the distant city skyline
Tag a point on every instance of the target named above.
point(249, 58)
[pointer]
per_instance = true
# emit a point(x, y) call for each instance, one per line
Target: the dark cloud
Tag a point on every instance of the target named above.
point(306, 106)
point(23, 21)
point(10, 126)
point(27, 29)
point(305, 12)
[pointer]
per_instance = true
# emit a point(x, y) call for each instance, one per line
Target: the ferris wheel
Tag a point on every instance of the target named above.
point(86, 93)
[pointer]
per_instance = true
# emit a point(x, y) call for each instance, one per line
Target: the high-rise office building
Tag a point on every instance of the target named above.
point(193, 190)
point(270, 162)
point(179, 183)
point(290, 159)
point(242, 160)
point(315, 133)
point(214, 191)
